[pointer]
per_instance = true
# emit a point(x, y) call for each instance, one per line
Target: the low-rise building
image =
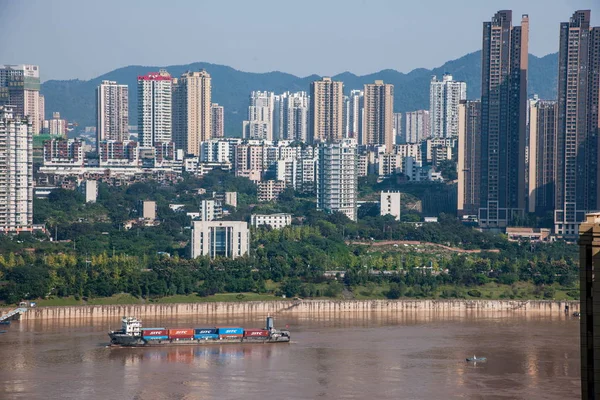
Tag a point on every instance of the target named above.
point(230, 239)
point(390, 203)
point(148, 209)
point(275, 221)
point(89, 189)
point(517, 234)
point(270, 190)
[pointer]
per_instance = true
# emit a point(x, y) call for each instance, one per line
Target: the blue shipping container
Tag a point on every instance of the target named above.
point(156, 338)
point(231, 331)
point(205, 336)
point(205, 331)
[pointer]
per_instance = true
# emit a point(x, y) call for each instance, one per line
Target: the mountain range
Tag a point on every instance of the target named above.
point(75, 99)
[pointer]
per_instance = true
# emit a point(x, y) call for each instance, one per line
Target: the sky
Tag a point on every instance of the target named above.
point(83, 39)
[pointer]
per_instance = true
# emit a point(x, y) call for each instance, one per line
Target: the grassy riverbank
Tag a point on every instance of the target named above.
point(490, 291)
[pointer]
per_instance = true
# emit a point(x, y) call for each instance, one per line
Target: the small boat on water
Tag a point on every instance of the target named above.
point(5, 322)
point(3, 332)
point(476, 359)
point(576, 314)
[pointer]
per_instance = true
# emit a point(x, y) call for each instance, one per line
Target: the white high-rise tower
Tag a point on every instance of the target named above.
point(444, 98)
point(154, 108)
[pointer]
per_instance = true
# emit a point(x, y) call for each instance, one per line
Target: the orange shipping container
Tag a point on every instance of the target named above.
point(231, 336)
point(181, 333)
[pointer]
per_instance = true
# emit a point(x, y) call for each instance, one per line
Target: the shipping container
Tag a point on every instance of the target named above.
point(154, 332)
point(205, 331)
point(206, 336)
point(256, 333)
point(230, 331)
point(181, 333)
point(231, 336)
point(148, 338)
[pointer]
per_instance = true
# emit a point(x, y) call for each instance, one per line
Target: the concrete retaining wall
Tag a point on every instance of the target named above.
point(297, 307)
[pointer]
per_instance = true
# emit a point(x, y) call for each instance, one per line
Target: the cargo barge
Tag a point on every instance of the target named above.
point(132, 334)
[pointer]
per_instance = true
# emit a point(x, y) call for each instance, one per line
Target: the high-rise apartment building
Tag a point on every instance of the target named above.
point(444, 98)
point(326, 111)
point(16, 171)
point(295, 121)
point(398, 130)
point(337, 177)
point(541, 156)
point(577, 188)
point(155, 108)
point(417, 126)
point(112, 112)
point(378, 120)
point(41, 112)
point(469, 157)
point(20, 88)
point(218, 121)
point(192, 111)
point(503, 120)
point(354, 108)
point(55, 126)
point(259, 124)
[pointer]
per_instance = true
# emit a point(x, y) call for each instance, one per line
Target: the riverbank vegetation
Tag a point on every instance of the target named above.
point(92, 257)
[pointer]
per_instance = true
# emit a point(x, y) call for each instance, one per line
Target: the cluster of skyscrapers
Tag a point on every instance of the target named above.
point(540, 156)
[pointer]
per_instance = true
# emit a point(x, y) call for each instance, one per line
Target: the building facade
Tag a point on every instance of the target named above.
point(589, 259)
point(218, 121)
point(541, 156)
point(259, 124)
point(270, 190)
point(577, 188)
point(55, 126)
point(112, 112)
point(469, 157)
point(416, 126)
point(155, 108)
point(20, 88)
point(378, 119)
point(444, 98)
point(326, 120)
point(275, 221)
point(354, 111)
point(337, 178)
point(390, 204)
point(398, 129)
point(229, 239)
point(192, 111)
point(16, 171)
point(503, 120)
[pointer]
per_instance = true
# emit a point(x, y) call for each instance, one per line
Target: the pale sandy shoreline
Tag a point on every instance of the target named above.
point(289, 307)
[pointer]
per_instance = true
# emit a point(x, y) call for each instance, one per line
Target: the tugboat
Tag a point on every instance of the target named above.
point(132, 334)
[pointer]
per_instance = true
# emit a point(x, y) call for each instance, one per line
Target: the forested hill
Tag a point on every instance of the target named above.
point(75, 99)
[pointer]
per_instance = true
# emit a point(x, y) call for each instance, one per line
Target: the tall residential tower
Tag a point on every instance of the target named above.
point(444, 98)
point(337, 177)
point(192, 111)
point(154, 108)
point(112, 112)
point(378, 119)
point(577, 189)
point(16, 171)
point(326, 120)
point(503, 120)
point(20, 88)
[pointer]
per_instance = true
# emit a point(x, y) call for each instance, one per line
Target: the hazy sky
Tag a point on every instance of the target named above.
point(86, 38)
